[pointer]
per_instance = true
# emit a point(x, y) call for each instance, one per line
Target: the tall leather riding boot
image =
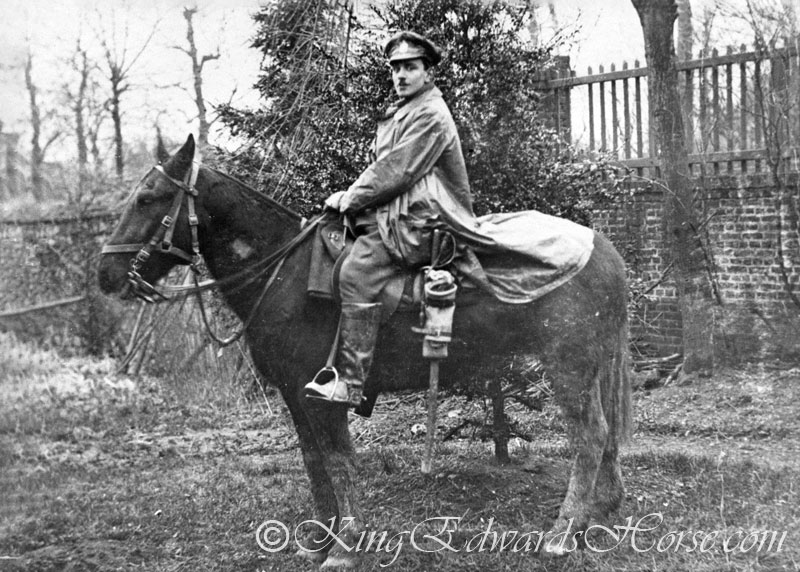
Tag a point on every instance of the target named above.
point(358, 332)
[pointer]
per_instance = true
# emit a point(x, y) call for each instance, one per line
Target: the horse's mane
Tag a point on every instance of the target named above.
point(254, 193)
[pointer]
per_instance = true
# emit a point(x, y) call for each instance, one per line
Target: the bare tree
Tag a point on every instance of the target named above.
point(681, 229)
point(81, 93)
point(119, 60)
point(198, 62)
point(38, 117)
point(77, 99)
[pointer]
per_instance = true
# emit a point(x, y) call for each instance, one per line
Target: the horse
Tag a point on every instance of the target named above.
point(579, 332)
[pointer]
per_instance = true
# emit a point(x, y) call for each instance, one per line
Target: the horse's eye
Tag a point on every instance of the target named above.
point(144, 201)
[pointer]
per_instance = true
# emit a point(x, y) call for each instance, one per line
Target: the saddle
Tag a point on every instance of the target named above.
point(332, 244)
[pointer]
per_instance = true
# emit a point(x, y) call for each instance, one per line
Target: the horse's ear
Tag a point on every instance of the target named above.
point(161, 151)
point(182, 160)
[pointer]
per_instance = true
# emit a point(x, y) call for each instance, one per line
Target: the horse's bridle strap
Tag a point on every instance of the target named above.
point(167, 228)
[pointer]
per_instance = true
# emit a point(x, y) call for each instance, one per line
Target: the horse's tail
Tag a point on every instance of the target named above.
point(617, 402)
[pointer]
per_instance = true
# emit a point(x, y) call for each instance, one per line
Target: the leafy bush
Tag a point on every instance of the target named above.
point(322, 94)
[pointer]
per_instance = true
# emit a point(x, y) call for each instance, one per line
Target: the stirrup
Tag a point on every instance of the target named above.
point(332, 389)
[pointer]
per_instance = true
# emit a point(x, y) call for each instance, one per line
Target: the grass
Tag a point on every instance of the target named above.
point(134, 476)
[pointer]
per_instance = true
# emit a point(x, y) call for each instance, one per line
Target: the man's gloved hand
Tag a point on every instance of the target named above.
point(332, 202)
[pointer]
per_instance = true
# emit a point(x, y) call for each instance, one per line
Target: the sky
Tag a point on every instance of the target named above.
point(52, 27)
point(606, 32)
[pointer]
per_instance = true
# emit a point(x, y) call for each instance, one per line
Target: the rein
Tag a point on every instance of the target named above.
point(162, 239)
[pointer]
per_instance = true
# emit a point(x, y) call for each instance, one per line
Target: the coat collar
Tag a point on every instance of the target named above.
point(402, 108)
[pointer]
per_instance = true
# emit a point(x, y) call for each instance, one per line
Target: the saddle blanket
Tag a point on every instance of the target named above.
point(532, 253)
point(524, 255)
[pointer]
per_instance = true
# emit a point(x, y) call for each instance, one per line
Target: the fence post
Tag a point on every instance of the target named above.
point(778, 101)
point(555, 104)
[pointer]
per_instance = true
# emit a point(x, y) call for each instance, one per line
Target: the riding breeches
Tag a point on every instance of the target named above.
point(368, 268)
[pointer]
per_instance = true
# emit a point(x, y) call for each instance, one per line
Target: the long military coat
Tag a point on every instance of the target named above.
point(417, 181)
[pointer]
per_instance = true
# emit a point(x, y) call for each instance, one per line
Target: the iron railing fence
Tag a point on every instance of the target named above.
point(741, 110)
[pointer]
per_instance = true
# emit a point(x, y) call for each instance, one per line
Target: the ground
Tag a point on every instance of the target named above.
point(102, 472)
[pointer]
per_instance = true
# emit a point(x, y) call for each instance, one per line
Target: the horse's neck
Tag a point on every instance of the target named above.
point(244, 229)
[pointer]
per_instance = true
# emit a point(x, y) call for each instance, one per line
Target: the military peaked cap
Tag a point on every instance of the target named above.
point(410, 45)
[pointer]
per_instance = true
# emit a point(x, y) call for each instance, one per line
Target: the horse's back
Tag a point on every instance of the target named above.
point(593, 304)
point(584, 320)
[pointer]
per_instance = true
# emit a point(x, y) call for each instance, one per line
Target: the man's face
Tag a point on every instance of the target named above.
point(409, 76)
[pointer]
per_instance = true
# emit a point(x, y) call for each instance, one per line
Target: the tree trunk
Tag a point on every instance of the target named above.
point(37, 156)
point(116, 118)
point(685, 30)
point(119, 62)
point(197, 76)
point(9, 146)
point(79, 109)
point(680, 221)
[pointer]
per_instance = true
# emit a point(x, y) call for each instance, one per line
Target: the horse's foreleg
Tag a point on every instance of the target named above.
point(331, 430)
point(587, 431)
point(322, 490)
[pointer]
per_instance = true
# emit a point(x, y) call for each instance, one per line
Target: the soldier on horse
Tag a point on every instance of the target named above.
point(416, 183)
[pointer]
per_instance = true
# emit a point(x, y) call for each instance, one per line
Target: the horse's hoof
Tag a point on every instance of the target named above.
point(339, 562)
point(309, 556)
point(556, 551)
point(566, 538)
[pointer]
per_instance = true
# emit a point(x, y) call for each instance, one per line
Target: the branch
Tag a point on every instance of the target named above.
point(142, 49)
point(55, 136)
point(654, 285)
point(176, 85)
point(207, 58)
point(182, 49)
point(38, 307)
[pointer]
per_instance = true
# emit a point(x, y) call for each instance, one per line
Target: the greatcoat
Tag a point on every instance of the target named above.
point(417, 181)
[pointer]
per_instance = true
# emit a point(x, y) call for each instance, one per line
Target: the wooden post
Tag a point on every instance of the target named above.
point(744, 112)
point(614, 116)
point(433, 405)
point(591, 113)
point(602, 89)
point(639, 119)
point(626, 112)
point(440, 299)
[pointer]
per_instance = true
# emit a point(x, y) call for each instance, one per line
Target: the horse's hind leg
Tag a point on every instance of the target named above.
point(615, 387)
point(578, 393)
point(609, 492)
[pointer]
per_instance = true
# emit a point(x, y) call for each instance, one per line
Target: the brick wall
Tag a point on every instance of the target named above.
point(48, 260)
point(746, 225)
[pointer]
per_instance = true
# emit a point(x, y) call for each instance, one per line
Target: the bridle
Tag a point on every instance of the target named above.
point(162, 241)
point(162, 237)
